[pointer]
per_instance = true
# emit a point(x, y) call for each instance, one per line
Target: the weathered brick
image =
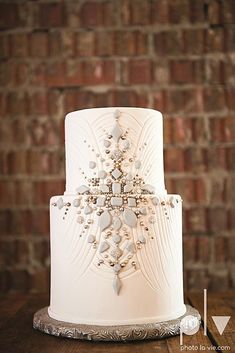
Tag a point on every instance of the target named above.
point(215, 40)
point(222, 129)
point(161, 72)
point(221, 249)
point(195, 159)
point(19, 45)
point(45, 162)
point(13, 132)
point(217, 218)
point(43, 132)
point(139, 72)
point(197, 279)
point(168, 43)
point(216, 158)
point(38, 103)
point(174, 160)
point(68, 43)
point(16, 162)
point(203, 251)
point(196, 220)
point(214, 99)
point(230, 101)
point(41, 252)
point(135, 12)
point(17, 103)
point(179, 11)
point(4, 46)
point(230, 158)
point(182, 71)
point(216, 72)
point(15, 222)
point(228, 15)
point(159, 100)
point(98, 72)
point(167, 131)
point(10, 15)
point(194, 41)
point(128, 98)
point(159, 11)
point(130, 43)
point(217, 189)
point(40, 281)
point(40, 223)
point(85, 43)
point(43, 190)
point(219, 279)
point(19, 281)
point(55, 44)
point(39, 44)
point(73, 73)
point(174, 100)
point(197, 11)
point(51, 15)
point(214, 12)
point(179, 131)
point(94, 14)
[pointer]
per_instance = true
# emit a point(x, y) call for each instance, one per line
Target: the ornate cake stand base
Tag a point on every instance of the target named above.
point(43, 322)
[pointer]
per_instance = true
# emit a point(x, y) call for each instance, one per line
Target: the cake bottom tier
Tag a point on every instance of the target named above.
point(116, 265)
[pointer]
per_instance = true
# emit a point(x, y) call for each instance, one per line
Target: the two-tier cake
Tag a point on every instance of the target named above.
point(116, 235)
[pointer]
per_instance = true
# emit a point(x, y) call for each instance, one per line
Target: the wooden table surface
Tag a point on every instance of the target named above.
point(18, 336)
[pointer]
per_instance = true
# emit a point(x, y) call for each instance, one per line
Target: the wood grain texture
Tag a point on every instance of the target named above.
point(18, 336)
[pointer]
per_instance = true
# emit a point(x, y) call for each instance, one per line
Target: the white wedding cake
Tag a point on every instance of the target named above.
point(116, 235)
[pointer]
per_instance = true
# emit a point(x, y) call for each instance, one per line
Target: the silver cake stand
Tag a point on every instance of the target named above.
point(43, 322)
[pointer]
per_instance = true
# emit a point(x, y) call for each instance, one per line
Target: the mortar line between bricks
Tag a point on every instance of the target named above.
point(154, 28)
point(152, 56)
point(138, 88)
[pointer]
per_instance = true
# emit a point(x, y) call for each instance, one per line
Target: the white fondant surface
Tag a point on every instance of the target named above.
point(81, 291)
point(90, 125)
point(116, 235)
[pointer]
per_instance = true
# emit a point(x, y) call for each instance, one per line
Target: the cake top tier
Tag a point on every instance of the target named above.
point(114, 150)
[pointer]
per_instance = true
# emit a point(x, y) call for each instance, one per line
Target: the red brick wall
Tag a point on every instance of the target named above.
point(177, 56)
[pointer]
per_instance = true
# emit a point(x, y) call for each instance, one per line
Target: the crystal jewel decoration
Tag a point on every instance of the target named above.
point(82, 189)
point(171, 202)
point(129, 218)
point(88, 209)
point(116, 253)
point(76, 202)
point(105, 220)
point(107, 143)
point(117, 268)
point(92, 164)
point(104, 246)
point(117, 284)
point(116, 173)
point(60, 203)
point(116, 114)
point(117, 223)
point(91, 238)
point(104, 188)
point(102, 174)
point(155, 201)
point(149, 188)
point(117, 238)
point(131, 247)
point(116, 132)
